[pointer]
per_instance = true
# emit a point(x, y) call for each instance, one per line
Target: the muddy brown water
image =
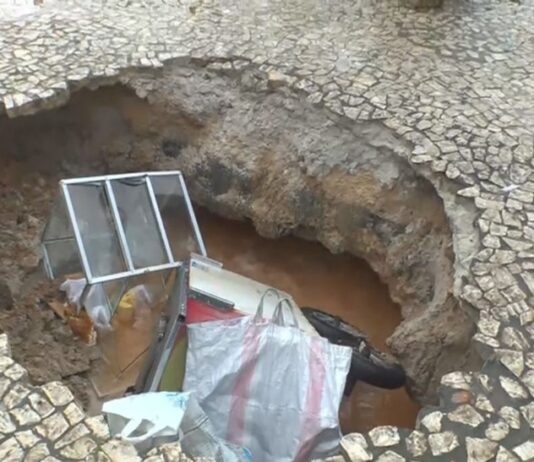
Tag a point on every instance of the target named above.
point(339, 284)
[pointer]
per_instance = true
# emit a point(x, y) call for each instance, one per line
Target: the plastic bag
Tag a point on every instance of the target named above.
point(136, 296)
point(135, 306)
point(198, 438)
point(142, 418)
point(96, 306)
point(267, 387)
point(95, 301)
point(74, 289)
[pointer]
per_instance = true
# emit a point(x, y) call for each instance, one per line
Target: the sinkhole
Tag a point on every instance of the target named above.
point(289, 194)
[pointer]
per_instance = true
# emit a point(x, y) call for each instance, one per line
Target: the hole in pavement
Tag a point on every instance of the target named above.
point(247, 153)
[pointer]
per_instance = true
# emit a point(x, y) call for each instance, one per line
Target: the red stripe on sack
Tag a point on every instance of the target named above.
point(241, 392)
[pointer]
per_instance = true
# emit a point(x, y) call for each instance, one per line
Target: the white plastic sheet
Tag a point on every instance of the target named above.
point(146, 416)
point(74, 289)
point(95, 301)
point(149, 419)
point(268, 387)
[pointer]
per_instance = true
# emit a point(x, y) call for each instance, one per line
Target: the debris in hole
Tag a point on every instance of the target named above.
point(94, 300)
point(228, 357)
point(368, 364)
point(140, 281)
point(82, 326)
point(60, 309)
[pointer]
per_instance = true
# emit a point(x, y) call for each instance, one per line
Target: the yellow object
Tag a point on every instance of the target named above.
point(127, 301)
point(126, 308)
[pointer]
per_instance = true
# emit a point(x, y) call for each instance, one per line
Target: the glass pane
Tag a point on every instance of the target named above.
point(134, 321)
point(58, 226)
point(114, 291)
point(175, 216)
point(140, 225)
point(63, 257)
point(96, 225)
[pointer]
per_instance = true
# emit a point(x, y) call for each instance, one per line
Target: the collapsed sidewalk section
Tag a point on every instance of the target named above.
point(170, 320)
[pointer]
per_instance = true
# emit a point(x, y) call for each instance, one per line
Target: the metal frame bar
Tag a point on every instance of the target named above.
point(112, 307)
point(119, 177)
point(77, 233)
point(58, 239)
point(178, 305)
point(135, 272)
point(192, 216)
point(157, 214)
point(45, 229)
point(119, 226)
point(46, 261)
point(202, 260)
point(83, 296)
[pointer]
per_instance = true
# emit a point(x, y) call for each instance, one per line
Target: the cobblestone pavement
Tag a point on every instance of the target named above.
point(44, 424)
point(457, 83)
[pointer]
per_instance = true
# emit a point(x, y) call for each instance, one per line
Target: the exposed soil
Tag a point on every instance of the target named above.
point(39, 340)
point(250, 152)
point(44, 344)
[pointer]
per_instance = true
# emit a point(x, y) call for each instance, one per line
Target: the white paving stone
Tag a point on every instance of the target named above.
point(354, 447)
point(384, 436)
point(442, 443)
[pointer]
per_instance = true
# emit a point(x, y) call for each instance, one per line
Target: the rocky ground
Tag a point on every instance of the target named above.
point(454, 87)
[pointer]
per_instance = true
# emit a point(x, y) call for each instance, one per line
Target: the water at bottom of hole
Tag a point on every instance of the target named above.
point(339, 284)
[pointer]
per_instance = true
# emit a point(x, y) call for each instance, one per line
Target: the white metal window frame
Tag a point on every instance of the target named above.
point(119, 227)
